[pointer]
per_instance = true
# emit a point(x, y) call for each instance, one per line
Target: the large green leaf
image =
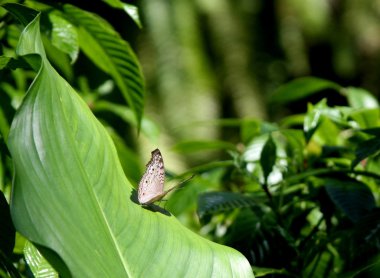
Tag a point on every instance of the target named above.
point(71, 198)
point(112, 54)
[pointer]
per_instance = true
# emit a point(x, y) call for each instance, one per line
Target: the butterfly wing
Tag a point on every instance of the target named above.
point(151, 186)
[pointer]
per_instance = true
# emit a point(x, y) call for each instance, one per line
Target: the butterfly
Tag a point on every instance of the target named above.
point(151, 185)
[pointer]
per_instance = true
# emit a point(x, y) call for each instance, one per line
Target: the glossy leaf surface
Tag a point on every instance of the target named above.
point(70, 194)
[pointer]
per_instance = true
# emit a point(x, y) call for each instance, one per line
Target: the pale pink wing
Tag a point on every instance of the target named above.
point(151, 186)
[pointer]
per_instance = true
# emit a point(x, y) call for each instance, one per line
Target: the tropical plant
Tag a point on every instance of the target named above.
point(300, 198)
point(70, 197)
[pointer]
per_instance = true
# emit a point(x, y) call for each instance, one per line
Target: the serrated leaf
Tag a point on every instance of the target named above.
point(216, 202)
point(268, 157)
point(110, 53)
point(301, 88)
point(70, 195)
point(354, 198)
point(37, 263)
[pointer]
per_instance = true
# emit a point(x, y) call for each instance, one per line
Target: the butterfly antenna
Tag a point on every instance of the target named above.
point(177, 185)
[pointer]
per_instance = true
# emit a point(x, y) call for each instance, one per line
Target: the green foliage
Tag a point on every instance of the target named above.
point(72, 28)
point(268, 157)
point(298, 198)
point(111, 54)
point(37, 263)
point(303, 200)
point(91, 225)
point(301, 88)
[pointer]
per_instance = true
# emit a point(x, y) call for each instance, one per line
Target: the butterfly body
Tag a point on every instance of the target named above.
point(151, 186)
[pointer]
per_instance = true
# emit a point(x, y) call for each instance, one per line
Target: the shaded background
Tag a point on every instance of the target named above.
point(207, 60)
point(210, 59)
point(224, 58)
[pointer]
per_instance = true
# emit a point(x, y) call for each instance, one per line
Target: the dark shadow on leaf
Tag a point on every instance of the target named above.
point(156, 208)
point(151, 207)
point(133, 197)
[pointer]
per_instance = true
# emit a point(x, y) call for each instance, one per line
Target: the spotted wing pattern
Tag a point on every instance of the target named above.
point(151, 186)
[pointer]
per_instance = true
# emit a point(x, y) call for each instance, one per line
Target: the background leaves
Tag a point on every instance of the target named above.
point(216, 90)
point(110, 53)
